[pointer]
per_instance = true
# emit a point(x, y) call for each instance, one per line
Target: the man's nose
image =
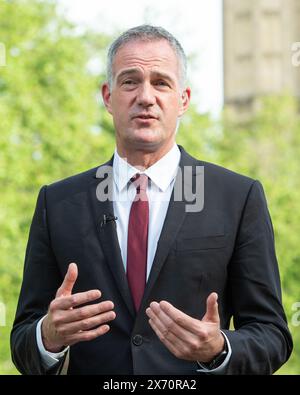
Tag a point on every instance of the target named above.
point(146, 96)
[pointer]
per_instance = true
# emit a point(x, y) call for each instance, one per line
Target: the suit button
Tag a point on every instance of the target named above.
point(137, 340)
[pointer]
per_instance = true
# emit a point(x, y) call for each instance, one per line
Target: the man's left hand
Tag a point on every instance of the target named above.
point(186, 337)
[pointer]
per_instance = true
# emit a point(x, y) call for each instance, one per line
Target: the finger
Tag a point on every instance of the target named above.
point(212, 311)
point(87, 335)
point(87, 324)
point(175, 346)
point(75, 300)
point(183, 320)
point(86, 312)
point(69, 281)
point(168, 327)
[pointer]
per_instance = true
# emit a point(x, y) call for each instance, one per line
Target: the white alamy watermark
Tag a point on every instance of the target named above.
point(188, 187)
point(296, 315)
point(2, 314)
point(296, 54)
point(2, 55)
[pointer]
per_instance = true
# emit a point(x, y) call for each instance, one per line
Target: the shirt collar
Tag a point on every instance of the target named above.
point(161, 172)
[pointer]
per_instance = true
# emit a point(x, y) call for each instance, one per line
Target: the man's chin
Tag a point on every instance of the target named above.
point(146, 145)
point(146, 141)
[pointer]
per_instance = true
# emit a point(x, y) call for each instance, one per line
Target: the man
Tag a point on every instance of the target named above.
point(123, 274)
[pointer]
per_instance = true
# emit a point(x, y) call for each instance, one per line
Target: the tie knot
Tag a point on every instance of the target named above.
point(140, 181)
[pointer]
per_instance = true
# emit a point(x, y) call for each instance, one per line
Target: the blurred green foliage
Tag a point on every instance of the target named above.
point(52, 125)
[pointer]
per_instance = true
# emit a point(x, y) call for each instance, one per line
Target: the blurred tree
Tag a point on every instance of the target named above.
point(51, 125)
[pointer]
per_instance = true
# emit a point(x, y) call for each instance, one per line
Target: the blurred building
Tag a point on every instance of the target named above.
point(258, 39)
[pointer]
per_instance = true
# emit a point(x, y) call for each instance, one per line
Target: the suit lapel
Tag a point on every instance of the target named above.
point(107, 233)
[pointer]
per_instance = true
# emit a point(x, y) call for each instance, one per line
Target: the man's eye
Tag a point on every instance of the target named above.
point(128, 82)
point(161, 83)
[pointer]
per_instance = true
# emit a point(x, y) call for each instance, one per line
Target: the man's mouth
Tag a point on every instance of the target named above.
point(144, 116)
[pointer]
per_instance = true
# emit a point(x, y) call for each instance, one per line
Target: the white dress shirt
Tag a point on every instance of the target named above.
point(161, 176)
point(161, 181)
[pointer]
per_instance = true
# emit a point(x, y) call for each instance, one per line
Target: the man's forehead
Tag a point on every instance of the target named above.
point(146, 50)
point(136, 54)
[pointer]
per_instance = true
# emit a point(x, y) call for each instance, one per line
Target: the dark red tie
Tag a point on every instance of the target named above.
point(137, 242)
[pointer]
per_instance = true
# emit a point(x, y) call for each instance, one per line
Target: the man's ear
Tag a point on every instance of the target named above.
point(185, 101)
point(106, 96)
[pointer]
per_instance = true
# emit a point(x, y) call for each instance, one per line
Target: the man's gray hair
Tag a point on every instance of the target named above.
point(147, 33)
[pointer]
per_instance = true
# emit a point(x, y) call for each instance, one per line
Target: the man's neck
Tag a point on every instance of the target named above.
point(142, 159)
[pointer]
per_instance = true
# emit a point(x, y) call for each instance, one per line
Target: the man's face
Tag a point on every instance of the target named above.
point(145, 98)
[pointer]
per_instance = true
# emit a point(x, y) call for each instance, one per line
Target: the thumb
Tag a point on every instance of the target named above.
point(69, 281)
point(212, 312)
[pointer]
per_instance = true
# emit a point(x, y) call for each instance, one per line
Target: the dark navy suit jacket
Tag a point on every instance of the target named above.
point(227, 247)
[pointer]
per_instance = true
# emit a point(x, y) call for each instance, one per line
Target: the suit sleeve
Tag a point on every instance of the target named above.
point(261, 342)
point(41, 279)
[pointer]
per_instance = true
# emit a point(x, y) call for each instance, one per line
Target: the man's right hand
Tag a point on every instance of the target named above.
point(66, 323)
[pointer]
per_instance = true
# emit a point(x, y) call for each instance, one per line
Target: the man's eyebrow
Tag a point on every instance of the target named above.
point(161, 74)
point(127, 72)
point(156, 74)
